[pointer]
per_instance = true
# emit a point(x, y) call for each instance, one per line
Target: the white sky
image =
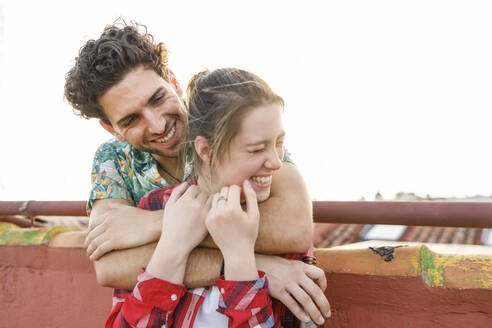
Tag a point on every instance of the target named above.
point(381, 96)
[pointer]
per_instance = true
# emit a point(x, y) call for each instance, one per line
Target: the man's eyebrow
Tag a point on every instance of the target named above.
point(260, 142)
point(152, 98)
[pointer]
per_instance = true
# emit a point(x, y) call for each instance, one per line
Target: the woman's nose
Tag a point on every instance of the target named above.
point(274, 160)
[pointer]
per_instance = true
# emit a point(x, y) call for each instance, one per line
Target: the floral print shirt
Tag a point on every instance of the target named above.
point(121, 171)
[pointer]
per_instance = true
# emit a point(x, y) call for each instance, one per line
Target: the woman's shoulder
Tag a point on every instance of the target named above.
point(156, 199)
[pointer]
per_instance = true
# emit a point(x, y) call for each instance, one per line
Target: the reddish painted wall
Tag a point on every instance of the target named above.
point(386, 301)
point(56, 287)
point(50, 287)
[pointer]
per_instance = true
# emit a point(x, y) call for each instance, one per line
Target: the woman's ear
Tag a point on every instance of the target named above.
point(202, 148)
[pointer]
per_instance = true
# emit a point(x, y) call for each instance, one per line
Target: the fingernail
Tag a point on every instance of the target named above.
point(305, 318)
point(321, 320)
point(328, 314)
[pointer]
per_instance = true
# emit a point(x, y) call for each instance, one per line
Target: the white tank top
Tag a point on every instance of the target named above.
point(207, 315)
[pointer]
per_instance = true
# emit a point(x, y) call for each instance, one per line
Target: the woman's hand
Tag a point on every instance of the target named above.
point(183, 224)
point(183, 228)
point(235, 230)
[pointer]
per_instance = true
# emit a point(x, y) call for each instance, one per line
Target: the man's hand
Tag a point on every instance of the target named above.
point(115, 224)
point(295, 283)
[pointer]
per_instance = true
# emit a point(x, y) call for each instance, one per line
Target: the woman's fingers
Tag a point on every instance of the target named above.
point(178, 192)
point(251, 201)
point(233, 197)
point(215, 198)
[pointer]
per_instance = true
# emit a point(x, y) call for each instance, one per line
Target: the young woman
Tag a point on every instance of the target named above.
point(236, 144)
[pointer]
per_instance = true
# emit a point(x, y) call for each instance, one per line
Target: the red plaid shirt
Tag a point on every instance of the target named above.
point(158, 303)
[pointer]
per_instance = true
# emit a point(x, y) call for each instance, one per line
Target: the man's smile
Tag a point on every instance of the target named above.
point(168, 136)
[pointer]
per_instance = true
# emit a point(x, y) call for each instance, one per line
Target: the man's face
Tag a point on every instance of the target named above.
point(145, 110)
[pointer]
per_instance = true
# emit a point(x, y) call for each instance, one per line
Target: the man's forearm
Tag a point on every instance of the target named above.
point(119, 269)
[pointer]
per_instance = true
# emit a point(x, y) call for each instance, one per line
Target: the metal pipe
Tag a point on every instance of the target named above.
point(51, 208)
point(21, 221)
point(418, 213)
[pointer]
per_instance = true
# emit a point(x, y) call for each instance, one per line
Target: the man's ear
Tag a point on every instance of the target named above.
point(111, 130)
point(174, 82)
point(202, 148)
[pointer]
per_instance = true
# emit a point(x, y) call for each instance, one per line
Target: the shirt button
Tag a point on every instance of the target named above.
point(222, 290)
point(174, 297)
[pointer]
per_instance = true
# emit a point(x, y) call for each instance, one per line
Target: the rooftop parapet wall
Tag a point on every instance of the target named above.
point(389, 284)
point(405, 284)
point(46, 286)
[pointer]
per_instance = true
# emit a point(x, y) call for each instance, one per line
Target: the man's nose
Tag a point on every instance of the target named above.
point(156, 123)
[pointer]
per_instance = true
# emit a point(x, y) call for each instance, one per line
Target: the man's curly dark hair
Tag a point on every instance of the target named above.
point(102, 63)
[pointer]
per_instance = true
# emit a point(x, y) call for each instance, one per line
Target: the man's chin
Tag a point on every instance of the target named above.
point(171, 153)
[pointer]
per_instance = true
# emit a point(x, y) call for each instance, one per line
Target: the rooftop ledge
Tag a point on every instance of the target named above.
point(439, 265)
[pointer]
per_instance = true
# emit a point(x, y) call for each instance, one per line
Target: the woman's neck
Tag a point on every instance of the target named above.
point(204, 185)
point(205, 182)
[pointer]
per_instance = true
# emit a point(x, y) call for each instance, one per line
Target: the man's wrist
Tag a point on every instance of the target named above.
point(265, 262)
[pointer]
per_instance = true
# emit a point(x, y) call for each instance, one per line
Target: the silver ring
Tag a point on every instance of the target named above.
point(222, 198)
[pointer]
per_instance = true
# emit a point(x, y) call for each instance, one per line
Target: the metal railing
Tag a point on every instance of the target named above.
point(416, 213)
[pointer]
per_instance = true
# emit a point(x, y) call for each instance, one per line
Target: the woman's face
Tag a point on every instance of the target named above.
point(255, 153)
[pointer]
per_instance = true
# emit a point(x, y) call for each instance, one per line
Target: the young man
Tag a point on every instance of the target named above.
point(123, 80)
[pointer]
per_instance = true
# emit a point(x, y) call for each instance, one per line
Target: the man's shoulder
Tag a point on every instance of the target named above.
point(115, 146)
point(114, 149)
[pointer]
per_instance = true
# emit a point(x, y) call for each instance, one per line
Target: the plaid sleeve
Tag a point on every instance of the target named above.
point(246, 303)
point(151, 304)
point(155, 199)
